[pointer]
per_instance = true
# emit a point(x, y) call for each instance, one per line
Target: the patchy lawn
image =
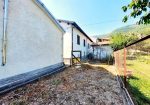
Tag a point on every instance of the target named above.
point(139, 83)
point(83, 86)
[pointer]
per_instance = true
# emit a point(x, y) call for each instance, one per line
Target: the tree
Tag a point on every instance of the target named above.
point(120, 40)
point(138, 8)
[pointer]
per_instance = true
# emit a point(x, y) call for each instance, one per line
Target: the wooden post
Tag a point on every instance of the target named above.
point(115, 55)
point(125, 68)
point(118, 62)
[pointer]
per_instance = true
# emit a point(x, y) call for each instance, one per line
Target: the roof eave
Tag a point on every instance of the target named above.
point(76, 26)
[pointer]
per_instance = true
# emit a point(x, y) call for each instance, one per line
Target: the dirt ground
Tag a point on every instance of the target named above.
point(87, 85)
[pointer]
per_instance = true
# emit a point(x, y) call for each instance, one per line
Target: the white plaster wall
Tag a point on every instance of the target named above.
point(97, 52)
point(106, 52)
point(34, 41)
point(102, 52)
point(80, 47)
point(67, 43)
point(90, 49)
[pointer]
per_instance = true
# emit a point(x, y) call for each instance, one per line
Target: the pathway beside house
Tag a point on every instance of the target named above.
point(87, 85)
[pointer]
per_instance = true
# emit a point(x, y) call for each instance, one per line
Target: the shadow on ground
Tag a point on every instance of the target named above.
point(138, 97)
point(133, 77)
point(88, 85)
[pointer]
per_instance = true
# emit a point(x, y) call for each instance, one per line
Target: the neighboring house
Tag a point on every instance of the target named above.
point(76, 42)
point(102, 49)
point(32, 42)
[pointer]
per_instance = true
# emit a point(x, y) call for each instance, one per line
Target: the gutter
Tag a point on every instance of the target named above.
point(4, 39)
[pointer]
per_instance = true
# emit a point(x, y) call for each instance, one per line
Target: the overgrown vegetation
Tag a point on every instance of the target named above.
point(139, 84)
point(129, 34)
point(138, 61)
point(120, 40)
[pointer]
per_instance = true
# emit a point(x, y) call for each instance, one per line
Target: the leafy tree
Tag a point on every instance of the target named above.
point(138, 8)
point(120, 40)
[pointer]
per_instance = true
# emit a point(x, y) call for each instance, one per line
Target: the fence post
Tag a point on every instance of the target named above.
point(118, 61)
point(125, 68)
point(115, 59)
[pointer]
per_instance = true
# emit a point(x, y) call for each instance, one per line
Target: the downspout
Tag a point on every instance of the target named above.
point(87, 50)
point(72, 47)
point(4, 39)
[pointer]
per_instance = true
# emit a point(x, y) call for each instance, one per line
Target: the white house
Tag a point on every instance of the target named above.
point(76, 42)
point(102, 49)
point(31, 45)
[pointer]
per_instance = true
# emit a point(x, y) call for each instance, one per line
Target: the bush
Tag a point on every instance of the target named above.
point(120, 40)
point(90, 56)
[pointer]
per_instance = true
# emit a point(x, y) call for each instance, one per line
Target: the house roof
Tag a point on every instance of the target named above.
point(104, 43)
point(103, 38)
point(76, 26)
point(94, 44)
point(44, 8)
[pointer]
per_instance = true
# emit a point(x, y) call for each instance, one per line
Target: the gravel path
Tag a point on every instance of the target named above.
point(83, 86)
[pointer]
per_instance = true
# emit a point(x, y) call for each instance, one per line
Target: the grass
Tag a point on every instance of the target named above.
point(139, 83)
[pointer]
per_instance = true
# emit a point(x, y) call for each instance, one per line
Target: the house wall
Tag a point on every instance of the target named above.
point(102, 52)
point(67, 40)
point(67, 43)
point(33, 40)
point(97, 52)
point(84, 49)
point(107, 51)
point(90, 49)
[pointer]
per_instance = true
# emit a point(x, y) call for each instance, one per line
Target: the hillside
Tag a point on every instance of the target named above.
point(102, 36)
point(137, 29)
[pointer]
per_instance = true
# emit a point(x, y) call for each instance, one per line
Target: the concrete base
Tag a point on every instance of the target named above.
point(22, 79)
point(67, 61)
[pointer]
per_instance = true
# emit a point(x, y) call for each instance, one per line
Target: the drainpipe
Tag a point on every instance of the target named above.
point(4, 39)
point(72, 45)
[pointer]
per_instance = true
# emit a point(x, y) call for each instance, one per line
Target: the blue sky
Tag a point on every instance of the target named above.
point(95, 17)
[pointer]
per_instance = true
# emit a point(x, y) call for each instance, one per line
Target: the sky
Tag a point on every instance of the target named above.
point(95, 17)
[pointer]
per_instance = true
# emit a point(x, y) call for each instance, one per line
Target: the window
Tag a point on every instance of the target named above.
point(78, 39)
point(88, 45)
point(84, 42)
point(84, 54)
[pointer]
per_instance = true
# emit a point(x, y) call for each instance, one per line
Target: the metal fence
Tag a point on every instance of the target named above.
point(133, 67)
